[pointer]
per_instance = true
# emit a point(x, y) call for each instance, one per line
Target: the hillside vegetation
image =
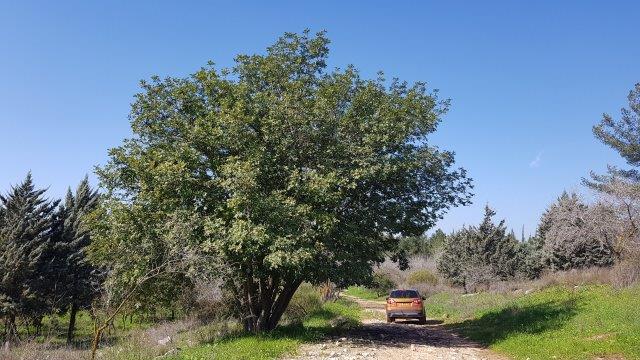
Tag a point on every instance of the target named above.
point(308, 319)
point(581, 322)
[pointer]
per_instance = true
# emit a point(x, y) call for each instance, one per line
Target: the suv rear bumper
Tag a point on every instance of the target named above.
point(399, 314)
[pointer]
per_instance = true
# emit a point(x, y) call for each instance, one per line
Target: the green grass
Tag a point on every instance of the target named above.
point(452, 307)
point(363, 293)
point(333, 317)
point(54, 328)
point(565, 323)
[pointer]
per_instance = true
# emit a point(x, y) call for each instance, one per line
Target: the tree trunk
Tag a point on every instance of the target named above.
point(11, 330)
point(72, 322)
point(265, 314)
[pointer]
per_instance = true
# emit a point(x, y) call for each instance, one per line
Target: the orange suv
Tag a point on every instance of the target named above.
point(405, 304)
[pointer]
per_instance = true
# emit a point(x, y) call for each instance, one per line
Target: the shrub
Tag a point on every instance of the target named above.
point(626, 273)
point(305, 301)
point(382, 284)
point(577, 235)
point(478, 255)
point(422, 276)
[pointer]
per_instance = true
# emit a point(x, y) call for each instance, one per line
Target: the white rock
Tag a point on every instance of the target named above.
point(164, 341)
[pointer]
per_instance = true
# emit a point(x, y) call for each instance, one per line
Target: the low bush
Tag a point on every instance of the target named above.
point(37, 351)
point(627, 272)
point(211, 303)
point(330, 319)
point(382, 284)
point(428, 290)
point(422, 276)
point(305, 301)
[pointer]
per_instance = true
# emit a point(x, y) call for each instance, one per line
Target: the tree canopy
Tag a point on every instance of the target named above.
point(480, 254)
point(622, 135)
point(27, 230)
point(285, 172)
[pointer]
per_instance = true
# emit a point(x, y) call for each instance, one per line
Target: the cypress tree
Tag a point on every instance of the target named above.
point(572, 236)
point(80, 278)
point(477, 255)
point(27, 227)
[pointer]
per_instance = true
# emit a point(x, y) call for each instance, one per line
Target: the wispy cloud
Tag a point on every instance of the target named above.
point(536, 162)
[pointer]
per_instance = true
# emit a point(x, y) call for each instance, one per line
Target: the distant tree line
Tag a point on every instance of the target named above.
point(572, 233)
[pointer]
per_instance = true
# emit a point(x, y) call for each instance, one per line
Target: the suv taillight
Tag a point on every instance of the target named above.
point(391, 301)
point(417, 302)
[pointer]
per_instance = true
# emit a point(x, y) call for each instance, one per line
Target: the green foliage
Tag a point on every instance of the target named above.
point(331, 318)
point(422, 276)
point(305, 301)
point(479, 255)
point(382, 284)
point(363, 293)
point(80, 280)
point(287, 172)
point(623, 135)
point(421, 245)
point(28, 224)
point(589, 322)
point(413, 245)
point(531, 260)
point(572, 235)
point(436, 242)
point(454, 307)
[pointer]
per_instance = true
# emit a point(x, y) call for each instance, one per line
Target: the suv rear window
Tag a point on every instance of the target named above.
point(401, 294)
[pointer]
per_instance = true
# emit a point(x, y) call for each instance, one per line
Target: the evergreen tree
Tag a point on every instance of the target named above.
point(422, 245)
point(622, 135)
point(436, 241)
point(28, 225)
point(80, 277)
point(530, 258)
point(573, 235)
point(478, 255)
point(498, 250)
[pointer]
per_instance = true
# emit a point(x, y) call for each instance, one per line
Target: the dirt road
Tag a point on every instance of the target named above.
point(403, 340)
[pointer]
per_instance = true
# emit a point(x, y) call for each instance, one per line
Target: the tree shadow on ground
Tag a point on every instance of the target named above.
point(495, 326)
point(416, 322)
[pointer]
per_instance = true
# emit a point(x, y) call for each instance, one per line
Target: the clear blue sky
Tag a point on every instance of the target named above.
point(527, 79)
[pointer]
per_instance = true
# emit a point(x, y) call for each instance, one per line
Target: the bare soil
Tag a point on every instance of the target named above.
point(402, 340)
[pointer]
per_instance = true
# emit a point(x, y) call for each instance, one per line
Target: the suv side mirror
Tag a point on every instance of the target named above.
point(424, 298)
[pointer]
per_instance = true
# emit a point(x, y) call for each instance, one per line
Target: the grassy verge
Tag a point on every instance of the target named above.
point(332, 317)
point(363, 293)
point(559, 322)
point(453, 307)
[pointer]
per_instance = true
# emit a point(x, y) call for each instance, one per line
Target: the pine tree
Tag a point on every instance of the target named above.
point(573, 235)
point(479, 255)
point(623, 136)
point(530, 258)
point(80, 277)
point(498, 249)
point(27, 227)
